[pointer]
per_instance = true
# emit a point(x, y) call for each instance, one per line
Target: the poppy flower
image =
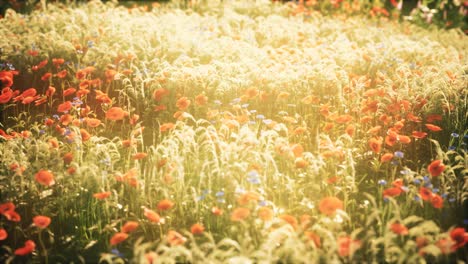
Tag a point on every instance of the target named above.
point(342, 119)
point(116, 113)
point(92, 122)
point(201, 99)
point(129, 226)
point(265, 213)
point(399, 228)
point(50, 91)
point(57, 62)
point(314, 238)
point(153, 216)
point(404, 139)
point(102, 195)
point(247, 197)
point(67, 157)
point(165, 204)
point(6, 96)
point(175, 239)
point(392, 192)
point(12, 216)
point(434, 128)
point(425, 193)
point(85, 136)
point(391, 138)
point(386, 157)
point(183, 103)
point(3, 234)
point(197, 229)
point(291, 220)
point(375, 144)
point(437, 201)
point(436, 168)
point(350, 130)
point(69, 91)
point(419, 134)
point(62, 74)
point(433, 117)
point(216, 211)
point(45, 178)
point(46, 76)
point(297, 150)
point(64, 107)
point(300, 163)
point(158, 94)
point(5, 207)
point(41, 221)
point(240, 214)
point(29, 246)
point(460, 237)
point(347, 246)
point(6, 79)
point(445, 245)
point(329, 205)
point(118, 238)
point(139, 156)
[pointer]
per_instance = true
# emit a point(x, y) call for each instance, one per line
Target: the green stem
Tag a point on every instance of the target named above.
point(44, 250)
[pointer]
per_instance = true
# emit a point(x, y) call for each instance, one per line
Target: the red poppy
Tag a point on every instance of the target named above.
point(116, 113)
point(460, 237)
point(436, 168)
point(425, 193)
point(375, 144)
point(50, 91)
point(314, 238)
point(6, 78)
point(445, 245)
point(165, 204)
point(158, 94)
point(392, 192)
point(12, 216)
point(153, 216)
point(45, 177)
point(3, 234)
point(433, 127)
point(102, 195)
point(216, 211)
point(92, 122)
point(69, 91)
point(433, 117)
point(5, 207)
point(62, 74)
point(419, 134)
point(342, 119)
point(240, 214)
point(329, 205)
point(399, 228)
point(350, 130)
point(183, 103)
point(41, 221)
point(29, 246)
point(129, 226)
point(46, 76)
point(265, 213)
point(291, 220)
point(85, 136)
point(139, 156)
point(386, 157)
point(197, 229)
point(175, 239)
point(166, 126)
point(6, 95)
point(437, 201)
point(201, 99)
point(347, 246)
point(64, 107)
point(118, 238)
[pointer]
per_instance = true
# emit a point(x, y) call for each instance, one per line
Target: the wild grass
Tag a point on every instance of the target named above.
point(291, 116)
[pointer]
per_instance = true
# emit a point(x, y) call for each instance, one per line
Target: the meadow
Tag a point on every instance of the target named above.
point(231, 132)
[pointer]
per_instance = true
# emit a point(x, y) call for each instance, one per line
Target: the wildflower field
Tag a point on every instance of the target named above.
point(231, 131)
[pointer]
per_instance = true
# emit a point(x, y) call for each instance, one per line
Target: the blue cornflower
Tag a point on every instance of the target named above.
point(399, 154)
point(382, 182)
point(452, 148)
point(260, 117)
point(455, 135)
point(417, 181)
point(219, 194)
